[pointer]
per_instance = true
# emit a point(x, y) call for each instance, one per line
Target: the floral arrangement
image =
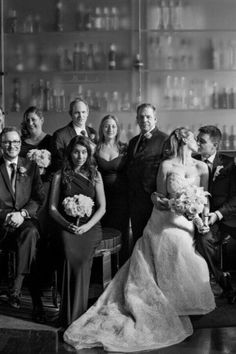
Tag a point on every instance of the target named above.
point(190, 201)
point(217, 172)
point(78, 206)
point(41, 157)
point(22, 171)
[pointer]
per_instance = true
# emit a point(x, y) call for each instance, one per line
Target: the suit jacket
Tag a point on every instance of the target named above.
point(142, 166)
point(61, 139)
point(222, 186)
point(29, 192)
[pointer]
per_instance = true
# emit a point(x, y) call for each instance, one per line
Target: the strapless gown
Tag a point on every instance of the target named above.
point(146, 306)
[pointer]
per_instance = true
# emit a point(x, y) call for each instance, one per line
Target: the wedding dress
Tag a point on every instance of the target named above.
point(146, 305)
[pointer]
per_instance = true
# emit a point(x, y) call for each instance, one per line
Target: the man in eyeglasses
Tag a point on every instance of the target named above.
point(21, 195)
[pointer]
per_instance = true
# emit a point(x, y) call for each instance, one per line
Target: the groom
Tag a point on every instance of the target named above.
point(222, 217)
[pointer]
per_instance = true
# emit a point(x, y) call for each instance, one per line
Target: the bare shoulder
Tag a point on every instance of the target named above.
point(201, 166)
point(166, 165)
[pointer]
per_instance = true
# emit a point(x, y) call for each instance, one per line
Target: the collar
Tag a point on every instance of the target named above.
point(148, 134)
point(210, 158)
point(79, 130)
point(7, 162)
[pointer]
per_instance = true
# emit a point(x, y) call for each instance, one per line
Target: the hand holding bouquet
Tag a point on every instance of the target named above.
point(190, 201)
point(41, 157)
point(78, 206)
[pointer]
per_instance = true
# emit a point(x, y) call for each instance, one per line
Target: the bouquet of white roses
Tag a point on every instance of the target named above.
point(78, 206)
point(190, 202)
point(41, 157)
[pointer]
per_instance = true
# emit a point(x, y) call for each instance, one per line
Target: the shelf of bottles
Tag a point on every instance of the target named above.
point(83, 48)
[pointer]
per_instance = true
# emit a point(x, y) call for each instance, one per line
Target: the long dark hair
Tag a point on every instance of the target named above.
point(89, 168)
point(31, 109)
point(175, 141)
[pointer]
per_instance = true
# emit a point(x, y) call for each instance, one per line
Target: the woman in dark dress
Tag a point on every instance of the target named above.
point(33, 136)
point(77, 243)
point(111, 159)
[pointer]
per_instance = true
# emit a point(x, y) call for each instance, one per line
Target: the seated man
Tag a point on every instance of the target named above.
point(222, 217)
point(21, 195)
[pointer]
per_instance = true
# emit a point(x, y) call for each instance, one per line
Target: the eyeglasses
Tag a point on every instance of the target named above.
point(13, 142)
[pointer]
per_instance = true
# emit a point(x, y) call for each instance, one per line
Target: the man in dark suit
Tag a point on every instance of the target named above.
point(222, 216)
point(79, 111)
point(21, 195)
point(144, 155)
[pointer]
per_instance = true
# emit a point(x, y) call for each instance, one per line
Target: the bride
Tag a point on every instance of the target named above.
point(147, 304)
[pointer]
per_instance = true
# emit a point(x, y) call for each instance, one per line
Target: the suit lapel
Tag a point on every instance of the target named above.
point(5, 176)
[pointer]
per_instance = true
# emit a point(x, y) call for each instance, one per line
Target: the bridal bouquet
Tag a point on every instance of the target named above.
point(78, 206)
point(41, 157)
point(190, 202)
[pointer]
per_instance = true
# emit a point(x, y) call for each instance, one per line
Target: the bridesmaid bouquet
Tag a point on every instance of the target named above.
point(78, 206)
point(190, 202)
point(41, 157)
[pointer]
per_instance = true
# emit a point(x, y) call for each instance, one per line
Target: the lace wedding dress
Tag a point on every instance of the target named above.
point(146, 306)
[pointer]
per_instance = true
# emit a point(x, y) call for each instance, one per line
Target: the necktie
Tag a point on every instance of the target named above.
point(83, 133)
point(141, 144)
point(209, 165)
point(13, 176)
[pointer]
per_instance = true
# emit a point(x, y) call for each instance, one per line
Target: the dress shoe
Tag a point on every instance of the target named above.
point(228, 291)
point(14, 300)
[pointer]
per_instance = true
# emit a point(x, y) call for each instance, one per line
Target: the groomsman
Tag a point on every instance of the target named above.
point(21, 195)
point(79, 111)
point(222, 217)
point(144, 156)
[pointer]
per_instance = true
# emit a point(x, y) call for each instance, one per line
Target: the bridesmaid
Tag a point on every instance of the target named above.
point(77, 243)
point(33, 136)
point(111, 159)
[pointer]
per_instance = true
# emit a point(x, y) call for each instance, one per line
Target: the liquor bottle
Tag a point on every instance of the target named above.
point(215, 96)
point(47, 97)
point(232, 138)
point(115, 102)
point(37, 24)
point(126, 104)
point(106, 19)
point(28, 24)
point(16, 103)
point(33, 98)
point(68, 64)
point(82, 56)
point(114, 18)
point(165, 14)
point(105, 102)
point(231, 98)
point(112, 57)
point(80, 17)
point(97, 101)
point(90, 58)
point(98, 21)
point(100, 57)
point(76, 57)
point(11, 22)
point(60, 59)
point(58, 19)
point(158, 15)
point(138, 64)
point(40, 98)
point(225, 138)
point(88, 20)
point(19, 60)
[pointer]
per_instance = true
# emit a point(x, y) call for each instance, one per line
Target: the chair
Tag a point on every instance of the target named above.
point(110, 244)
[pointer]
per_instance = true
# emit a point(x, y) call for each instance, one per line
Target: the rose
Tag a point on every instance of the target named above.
point(217, 172)
point(22, 170)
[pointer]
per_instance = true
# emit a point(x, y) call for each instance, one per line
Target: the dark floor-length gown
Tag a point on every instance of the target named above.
point(77, 251)
point(115, 185)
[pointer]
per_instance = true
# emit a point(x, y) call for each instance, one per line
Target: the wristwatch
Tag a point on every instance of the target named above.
point(24, 213)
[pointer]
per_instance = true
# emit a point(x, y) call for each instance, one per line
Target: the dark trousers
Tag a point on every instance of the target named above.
point(140, 211)
point(208, 246)
point(24, 242)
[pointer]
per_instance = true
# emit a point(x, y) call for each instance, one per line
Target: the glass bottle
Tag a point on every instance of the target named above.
point(98, 25)
point(68, 65)
point(106, 19)
point(114, 18)
point(47, 97)
point(80, 17)
point(58, 17)
point(11, 22)
point(29, 24)
point(112, 57)
point(76, 57)
point(16, 103)
point(90, 58)
point(37, 24)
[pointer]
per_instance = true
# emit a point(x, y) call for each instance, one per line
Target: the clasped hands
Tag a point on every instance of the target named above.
point(78, 230)
point(14, 219)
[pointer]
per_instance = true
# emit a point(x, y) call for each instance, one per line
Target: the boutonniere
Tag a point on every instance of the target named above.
point(148, 135)
point(22, 171)
point(217, 172)
point(92, 137)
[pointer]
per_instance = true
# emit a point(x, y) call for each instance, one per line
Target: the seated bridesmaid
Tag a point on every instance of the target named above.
point(79, 230)
point(111, 159)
